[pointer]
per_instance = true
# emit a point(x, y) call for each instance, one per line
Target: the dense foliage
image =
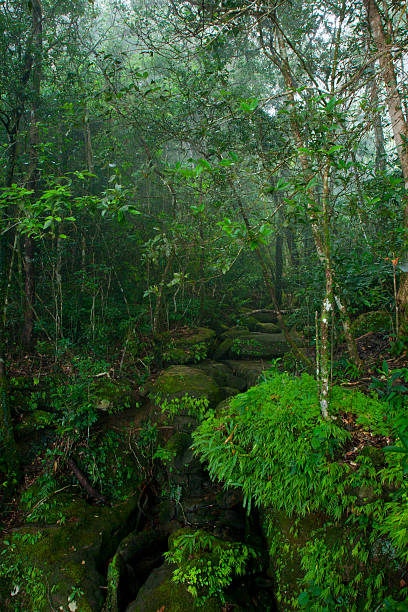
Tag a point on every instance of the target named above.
point(272, 439)
point(170, 173)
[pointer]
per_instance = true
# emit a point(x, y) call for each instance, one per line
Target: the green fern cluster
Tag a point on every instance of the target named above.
point(206, 564)
point(337, 522)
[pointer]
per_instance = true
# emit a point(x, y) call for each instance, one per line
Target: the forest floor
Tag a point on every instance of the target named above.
point(374, 348)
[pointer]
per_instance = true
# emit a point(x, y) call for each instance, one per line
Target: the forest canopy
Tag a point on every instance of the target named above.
point(192, 193)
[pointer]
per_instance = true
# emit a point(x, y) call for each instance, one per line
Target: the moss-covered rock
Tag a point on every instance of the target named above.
point(138, 549)
point(255, 325)
point(160, 593)
point(186, 345)
point(252, 345)
point(248, 371)
point(374, 321)
point(222, 374)
point(341, 555)
point(233, 332)
point(33, 421)
point(263, 316)
point(52, 562)
point(178, 381)
point(110, 397)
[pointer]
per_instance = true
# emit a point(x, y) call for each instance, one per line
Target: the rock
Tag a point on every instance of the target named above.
point(255, 325)
point(234, 332)
point(248, 371)
point(178, 381)
point(160, 593)
point(186, 345)
point(263, 316)
point(69, 556)
point(269, 328)
point(38, 419)
point(229, 392)
point(374, 321)
point(142, 550)
point(110, 397)
point(222, 374)
point(252, 345)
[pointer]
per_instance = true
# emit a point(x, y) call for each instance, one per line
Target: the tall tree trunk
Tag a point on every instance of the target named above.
point(88, 142)
point(399, 126)
point(7, 443)
point(33, 178)
point(270, 286)
point(319, 226)
point(279, 261)
point(380, 154)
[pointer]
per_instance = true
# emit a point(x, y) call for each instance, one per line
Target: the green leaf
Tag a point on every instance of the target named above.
point(303, 599)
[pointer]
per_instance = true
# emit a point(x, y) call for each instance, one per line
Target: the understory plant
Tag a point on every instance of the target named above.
point(333, 502)
point(206, 564)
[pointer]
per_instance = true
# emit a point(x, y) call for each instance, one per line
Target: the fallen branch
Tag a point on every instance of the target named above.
point(85, 484)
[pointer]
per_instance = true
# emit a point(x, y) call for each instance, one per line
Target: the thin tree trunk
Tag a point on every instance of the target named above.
point(270, 286)
point(7, 442)
point(88, 142)
point(320, 230)
point(380, 154)
point(32, 182)
point(156, 316)
point(399, 126)
point(279, 262)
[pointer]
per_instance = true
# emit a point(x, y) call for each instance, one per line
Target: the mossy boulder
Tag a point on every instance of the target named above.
point(52, 561)
point(222, 374)
point(300, 543)
point(375, 321)
point(110, 397)
point(160, 593)
point(135, 556)
point(33, 421)
point(263, 316)
point(176, 382)
point(189, 345)
point(252, 345)
point(253, 324)
point(248, 371)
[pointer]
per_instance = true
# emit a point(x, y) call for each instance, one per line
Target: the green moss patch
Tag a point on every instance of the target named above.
point(333, 500)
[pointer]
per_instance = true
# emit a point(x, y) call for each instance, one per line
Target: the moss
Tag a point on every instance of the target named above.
point(161, 593)
point(374, 321)
point(178, 381)
point(186, 345)
point(252, 345)
point(68, 556)
point(38, 419)
point(110, 397)
point(222, 374)
point(179, 443)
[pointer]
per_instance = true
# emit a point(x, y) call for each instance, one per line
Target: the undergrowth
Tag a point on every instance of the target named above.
point(334, 503)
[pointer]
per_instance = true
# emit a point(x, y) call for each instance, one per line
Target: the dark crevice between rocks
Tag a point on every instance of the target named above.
point(199, 504)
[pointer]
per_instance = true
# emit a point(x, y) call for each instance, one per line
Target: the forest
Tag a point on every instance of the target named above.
point(203, 305)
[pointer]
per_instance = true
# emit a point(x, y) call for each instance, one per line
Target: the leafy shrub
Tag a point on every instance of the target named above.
point(195, 407)
point(206, 564)
point(272, 443)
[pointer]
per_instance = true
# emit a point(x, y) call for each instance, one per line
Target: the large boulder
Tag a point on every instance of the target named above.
point(374, 321)
point(222, 374)
point(263, 316)
point(248, 371)
point(253, 324)
point(187, 345)
point(160, 593)
point(59, 565)
point(176, 382)
point(111, 397)
point(252, 345)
